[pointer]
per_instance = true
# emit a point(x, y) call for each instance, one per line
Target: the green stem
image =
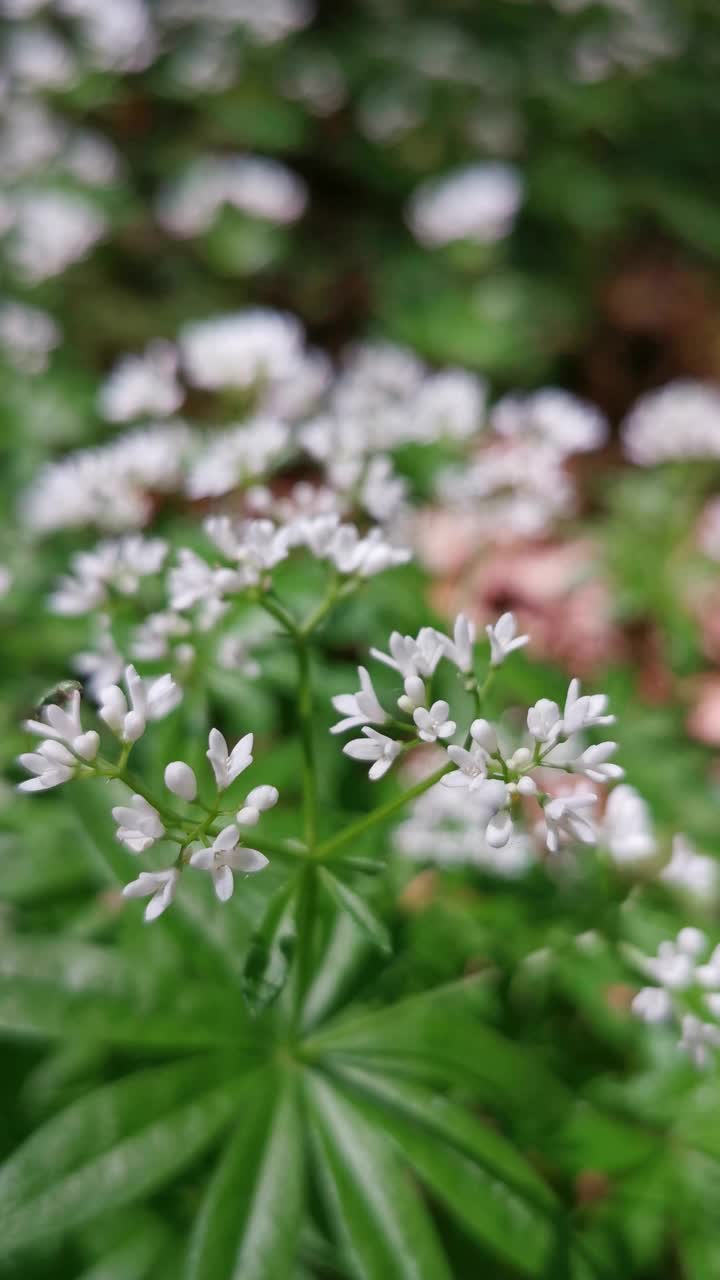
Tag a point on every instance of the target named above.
point(304, 926)
point(279, 612)
point(305, 712)
point(330, 847)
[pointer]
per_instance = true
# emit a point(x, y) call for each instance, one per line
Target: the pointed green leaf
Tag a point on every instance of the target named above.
point(270, 951)
point(113, 1147)
point(346, 952)
point(439, 1036)
point(365, 919)
point(379, 1216)
point(249, 1225)
point(482, 1179)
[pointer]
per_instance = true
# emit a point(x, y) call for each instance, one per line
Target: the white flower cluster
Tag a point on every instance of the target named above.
point(68, 751)
point(444, 826)
point(284, 407)
point(114, 565)
point(685, 992)
point(110, 486)
point(476, 764)
point(255, 185)
point(477, 203)
point(50, 231)
point(680, 420)
point(517, 484)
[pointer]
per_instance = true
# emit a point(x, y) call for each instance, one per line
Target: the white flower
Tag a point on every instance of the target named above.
point(595, 763)
point(414, 696)
point(242, 350)
point(52, 230)
point(697, 1039)
point(364, 557)
point(64, 749)
point(257, 802)
point(256, 545)
point(142, 386)
point(358, 708)
point(434, 724)
point(227, 766)
point(375, 747)
point(255, 185)
point(235, 457)
point(653, 1004)
point(52, 764)
point(503, 639)
point(139, 824)
point(27, 336)
point(223, 857)
point(627, 827)
point(475, 203)
point(691, 872)
point(413, 657)
point(583, 712)
point(149, 700)
point(544, 721)
point(460, 649)
point(556, 417)
point(162, 885)
point(564, 816)
point(117, 564)
point(681, 420)
point(181, 780)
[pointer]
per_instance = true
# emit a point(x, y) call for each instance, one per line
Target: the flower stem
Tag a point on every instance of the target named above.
point(330, 847)
point(305, 711)
point(304, 929)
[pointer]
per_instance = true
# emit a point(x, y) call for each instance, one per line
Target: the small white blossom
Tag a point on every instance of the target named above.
point(410, 656)
point(257, 186)
point(478, 203)
point(65, 748)
point(257, 802)
point(691, 872)
point(503, 639)
point(358, 708)
point(565, 817)
point(114, 564)
point(375, 747)
point(228, 765)
point(435, 723)
point(159, 886)
point(225, 856)
point(149, 700)
point(554, 416)
point(460, 649)
point(584, 711)
point(139, 824)
point(544, 721)
point(415, 695)
point(595, 763)
point(52, 764)
point(181, 780)
point(142, 386)
point(698, 1038)
point(627, 828)
point(680, 420)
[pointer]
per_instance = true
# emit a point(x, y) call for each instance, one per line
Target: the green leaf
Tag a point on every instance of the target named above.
point(347, 900)
point(133, 1260)
point(346, 952)
point(46, 1009)
point(249, 1225)
point(379, 1216)
point(113, 1147)
point(484, 1182)
point(439, 1036)
point(270, 951)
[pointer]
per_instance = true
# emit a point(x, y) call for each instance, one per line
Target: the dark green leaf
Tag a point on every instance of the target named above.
point(270, 951)
point(379, 1216)
point(249, 1225)
point(113, 1147)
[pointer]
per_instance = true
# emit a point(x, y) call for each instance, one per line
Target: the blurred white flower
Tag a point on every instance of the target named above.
point(477, 203)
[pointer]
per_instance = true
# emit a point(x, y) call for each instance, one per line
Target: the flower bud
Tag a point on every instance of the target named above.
point(133, 726)
point(86, 744)
point(180, 779)
point(262, 798)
